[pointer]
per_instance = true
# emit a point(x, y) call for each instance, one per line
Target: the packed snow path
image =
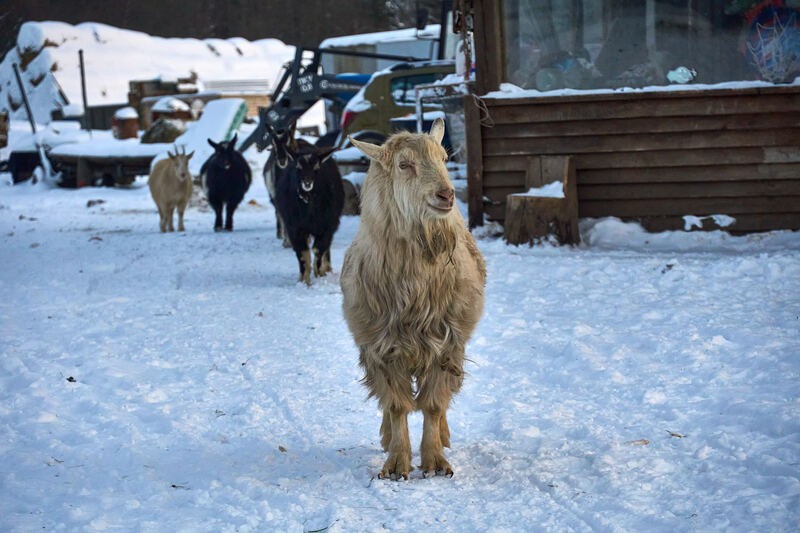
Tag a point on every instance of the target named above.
point(187, 382)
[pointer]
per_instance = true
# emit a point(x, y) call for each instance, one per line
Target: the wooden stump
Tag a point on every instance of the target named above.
point(530, 218)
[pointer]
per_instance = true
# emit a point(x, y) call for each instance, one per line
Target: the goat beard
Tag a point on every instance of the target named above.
point(436, 238)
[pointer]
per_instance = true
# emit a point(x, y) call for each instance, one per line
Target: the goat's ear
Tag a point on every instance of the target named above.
point(372, 151)
point(213, 144)
point(189, 156)
point(235, 138)
point(437, 130)
point(171, 155)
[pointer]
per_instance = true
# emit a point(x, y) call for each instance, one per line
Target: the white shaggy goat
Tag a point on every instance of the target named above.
point(171, 187)
point(413, 282)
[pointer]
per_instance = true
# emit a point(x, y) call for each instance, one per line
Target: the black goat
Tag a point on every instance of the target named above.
point(309, 197)
point(284, 146)
point(226, 176)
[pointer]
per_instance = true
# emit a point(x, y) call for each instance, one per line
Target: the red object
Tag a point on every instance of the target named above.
point(348, 118)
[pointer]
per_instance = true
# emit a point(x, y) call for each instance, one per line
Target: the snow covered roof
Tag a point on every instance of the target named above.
point(170, 104)
point(509, 90)
point(431, 31)
point(48, 54)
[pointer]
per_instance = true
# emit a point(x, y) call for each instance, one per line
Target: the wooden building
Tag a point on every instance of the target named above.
point(644, 148)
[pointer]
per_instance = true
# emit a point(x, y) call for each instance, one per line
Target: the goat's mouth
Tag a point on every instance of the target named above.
point(442, 202)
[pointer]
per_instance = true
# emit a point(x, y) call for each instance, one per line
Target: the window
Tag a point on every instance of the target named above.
point(588, 44)
point(402, 88)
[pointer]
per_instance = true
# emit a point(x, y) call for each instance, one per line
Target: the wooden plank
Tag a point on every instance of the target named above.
point(661, 206)
point(716, 173)
point(714, 123)
point(655, 107)
point(692, 174)
point(474, 163)
point(679, 191)
point(693, 206)
point(782, 154)
point(640, 142)
point(657, 158)
point(668, 157)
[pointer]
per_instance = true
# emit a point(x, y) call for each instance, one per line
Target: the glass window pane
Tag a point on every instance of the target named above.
point(587, 44)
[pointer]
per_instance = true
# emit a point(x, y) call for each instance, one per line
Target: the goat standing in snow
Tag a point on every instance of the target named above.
point(284, 146)
point(309, 197)
point(412, 281)
point(226, 176)
point(170, 185)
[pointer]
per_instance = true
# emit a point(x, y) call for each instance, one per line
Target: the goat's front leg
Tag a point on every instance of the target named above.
point(398, 464)
point(229, 210)
point(388, 381)
point(162, 219)
point(171, 218)
point(431, 448)
point(322, 255)
point(217, 217)
point(181, 209)
point(300, 245)
point(436, 389)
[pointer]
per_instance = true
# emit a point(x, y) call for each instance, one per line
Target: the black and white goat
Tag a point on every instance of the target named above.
point(226, 176)
point(284, 146)
point(309, 198)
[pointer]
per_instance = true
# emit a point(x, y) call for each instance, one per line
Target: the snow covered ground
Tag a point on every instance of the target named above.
point(187, 382)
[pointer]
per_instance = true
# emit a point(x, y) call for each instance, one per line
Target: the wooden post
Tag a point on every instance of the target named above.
point(474, 132)
point(530, 218)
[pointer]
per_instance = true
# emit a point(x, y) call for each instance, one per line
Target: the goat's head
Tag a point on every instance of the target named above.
point(412, 171)
point(224, 153)
point(281, 141)
point(309, 162)
point(181, 161)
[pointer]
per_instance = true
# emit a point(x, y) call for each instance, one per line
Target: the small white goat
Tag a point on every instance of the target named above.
point(171, 186)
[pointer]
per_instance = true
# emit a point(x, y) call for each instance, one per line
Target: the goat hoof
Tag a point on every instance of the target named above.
point(393, 476)
point(217, 228)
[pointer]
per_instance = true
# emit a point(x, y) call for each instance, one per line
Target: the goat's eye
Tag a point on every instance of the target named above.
point(405, 165)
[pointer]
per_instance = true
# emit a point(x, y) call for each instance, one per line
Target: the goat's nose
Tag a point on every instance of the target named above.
point(445, 194)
